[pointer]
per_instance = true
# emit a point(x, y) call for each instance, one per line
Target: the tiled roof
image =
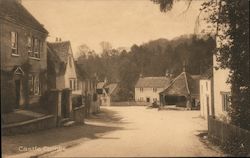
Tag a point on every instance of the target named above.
point(53, 58)
point(61, 49)
point(111, 87)
point(183, 85)
point(153, 82)
point(13, 11)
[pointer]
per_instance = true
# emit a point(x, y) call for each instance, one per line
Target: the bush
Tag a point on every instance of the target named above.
point(76, 100)
point(236, 146)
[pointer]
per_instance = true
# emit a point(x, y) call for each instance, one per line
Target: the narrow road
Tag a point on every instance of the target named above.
point(144, 132)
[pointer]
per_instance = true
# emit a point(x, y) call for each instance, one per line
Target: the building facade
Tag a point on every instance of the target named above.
point(205, 98)
point(222, 92)
point(147, 89)
point(23, 56)
point(62, 70)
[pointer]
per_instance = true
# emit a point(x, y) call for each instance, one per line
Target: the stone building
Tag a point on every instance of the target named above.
point(23, 56)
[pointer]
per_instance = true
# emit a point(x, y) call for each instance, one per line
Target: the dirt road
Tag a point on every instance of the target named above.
point(139, 131)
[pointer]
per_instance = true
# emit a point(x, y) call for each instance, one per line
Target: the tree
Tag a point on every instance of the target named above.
point(83, 51)
point(231, 19)
point(106, 48)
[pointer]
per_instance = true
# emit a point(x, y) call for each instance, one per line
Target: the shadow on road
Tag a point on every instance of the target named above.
point(107, 116)
point(64, 135)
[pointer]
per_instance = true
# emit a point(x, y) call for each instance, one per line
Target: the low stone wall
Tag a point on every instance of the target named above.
point(37, 124)
point(79, 114)
point(129, 103)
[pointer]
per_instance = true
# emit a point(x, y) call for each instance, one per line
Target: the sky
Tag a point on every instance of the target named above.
point(120, 22)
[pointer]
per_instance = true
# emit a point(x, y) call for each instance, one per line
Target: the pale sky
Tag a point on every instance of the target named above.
point(121, 22)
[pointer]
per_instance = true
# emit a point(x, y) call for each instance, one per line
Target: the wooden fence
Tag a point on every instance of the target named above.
point(225, 134)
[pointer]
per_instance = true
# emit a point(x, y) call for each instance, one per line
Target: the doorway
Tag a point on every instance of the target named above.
point(148, 100)
point(17, 85)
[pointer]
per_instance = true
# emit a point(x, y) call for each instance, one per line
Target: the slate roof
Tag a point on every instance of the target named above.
point(183, 85)
point(13, 11)
point(153, 82)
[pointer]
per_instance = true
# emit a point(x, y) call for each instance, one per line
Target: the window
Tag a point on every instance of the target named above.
point(154, 89)
point(225, 100)
point(141, 89)
point(36, 48)
point(14, 43)
point(34, 85)
point(73, 84)
point(33, 47)
point(29, 44)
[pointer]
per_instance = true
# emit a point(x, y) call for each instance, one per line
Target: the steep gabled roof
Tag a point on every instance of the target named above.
point(59, 53)
point(54, 62)
point(13, 11)
point(153, 82)
point(61, 49)
point(183, 85)
point(111, 87)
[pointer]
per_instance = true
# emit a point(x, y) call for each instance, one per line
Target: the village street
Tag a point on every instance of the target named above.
point(146, 132)
point(121, 131)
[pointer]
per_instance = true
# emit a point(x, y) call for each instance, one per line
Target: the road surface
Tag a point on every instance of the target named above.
point(139, 131)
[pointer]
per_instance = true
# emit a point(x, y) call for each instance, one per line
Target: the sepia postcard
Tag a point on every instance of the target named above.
point(124, 78)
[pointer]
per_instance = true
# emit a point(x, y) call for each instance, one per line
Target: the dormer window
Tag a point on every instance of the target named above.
point(14, 43)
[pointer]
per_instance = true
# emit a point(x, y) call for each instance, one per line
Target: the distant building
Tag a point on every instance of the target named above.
point(61, 66)
point(206, 102)
point(23, 56)
point(113, 89)
point(182, 91)
point(87, 88)
point(147, 89)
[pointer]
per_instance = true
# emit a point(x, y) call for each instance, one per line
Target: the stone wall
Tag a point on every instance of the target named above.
point(79, 114)
point(38, 124)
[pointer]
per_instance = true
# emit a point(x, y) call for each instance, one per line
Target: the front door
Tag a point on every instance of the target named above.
point(148, 100)
point(17, 85)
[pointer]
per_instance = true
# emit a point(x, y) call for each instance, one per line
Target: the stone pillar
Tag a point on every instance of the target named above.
point(54, 103)
point(67, 94)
